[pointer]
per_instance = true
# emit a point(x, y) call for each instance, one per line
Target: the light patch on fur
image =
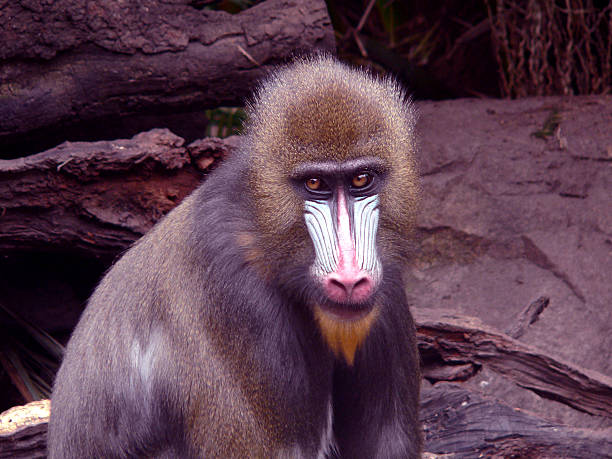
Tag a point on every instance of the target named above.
point(252, 254)
point(294, 452)
point(328, 443)
point(143, 359)
point(245, 240)
point(344, 336)
point(392, 439)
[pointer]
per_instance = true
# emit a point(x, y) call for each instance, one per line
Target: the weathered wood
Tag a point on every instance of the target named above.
point(70, 60)
point(443, 372)
point(460, 340)
point(29, 442)
point(462, 423)
point(23, 430)
point(99, 196)
point(465, 425)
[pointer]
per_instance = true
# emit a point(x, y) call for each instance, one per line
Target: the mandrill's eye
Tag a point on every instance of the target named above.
point(313, 184)
point(361, 180)
point(317, 186)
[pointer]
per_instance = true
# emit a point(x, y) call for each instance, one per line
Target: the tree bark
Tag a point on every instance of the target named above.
point(464, 425)
point(23, 431)
point(460, 340)
point(99, 197)
point(71, 60)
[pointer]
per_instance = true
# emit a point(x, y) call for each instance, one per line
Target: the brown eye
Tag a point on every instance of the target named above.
point(316, 188)
point(313, 184)
point(361, 180)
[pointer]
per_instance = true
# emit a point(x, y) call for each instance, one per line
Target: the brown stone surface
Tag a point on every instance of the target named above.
point(509, 217)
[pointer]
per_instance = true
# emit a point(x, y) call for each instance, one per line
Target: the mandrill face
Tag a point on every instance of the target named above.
point(341, 212)
point(334, 185)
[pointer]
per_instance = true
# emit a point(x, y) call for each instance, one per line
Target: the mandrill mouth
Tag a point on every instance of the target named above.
point(346, 311)
point(343, 312)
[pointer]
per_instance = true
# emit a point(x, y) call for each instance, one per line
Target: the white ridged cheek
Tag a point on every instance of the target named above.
point(365, 223)
point(321, 228)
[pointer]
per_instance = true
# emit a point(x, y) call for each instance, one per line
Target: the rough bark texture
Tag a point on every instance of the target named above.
point(28, 442)
point(460, 424)
point(99, 196)
point(23, 431)
point(460, 340)
point(71, 60)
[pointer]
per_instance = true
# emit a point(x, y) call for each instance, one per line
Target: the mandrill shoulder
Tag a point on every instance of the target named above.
point(193, 247)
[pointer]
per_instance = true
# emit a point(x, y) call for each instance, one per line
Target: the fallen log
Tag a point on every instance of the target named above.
point(68, 61)
point(23, 431)
point(466, 340)
point(464, 425)
point(455, 422)
point(99, 197)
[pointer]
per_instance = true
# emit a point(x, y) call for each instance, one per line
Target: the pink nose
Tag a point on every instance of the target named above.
point(348, 288)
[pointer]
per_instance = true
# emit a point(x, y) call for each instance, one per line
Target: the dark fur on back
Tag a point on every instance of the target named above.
point(200, 341)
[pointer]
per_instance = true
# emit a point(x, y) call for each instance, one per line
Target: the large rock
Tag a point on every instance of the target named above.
point(517, 205)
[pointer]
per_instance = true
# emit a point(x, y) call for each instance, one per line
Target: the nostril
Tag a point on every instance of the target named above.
point(361, 283)
point(362, 289)
point(336, 283)
point(336, 289)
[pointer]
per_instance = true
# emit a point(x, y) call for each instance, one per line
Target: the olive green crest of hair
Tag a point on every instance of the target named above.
point(318, 109)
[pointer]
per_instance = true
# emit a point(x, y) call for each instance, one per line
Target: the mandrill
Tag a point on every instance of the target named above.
point(265, 316)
